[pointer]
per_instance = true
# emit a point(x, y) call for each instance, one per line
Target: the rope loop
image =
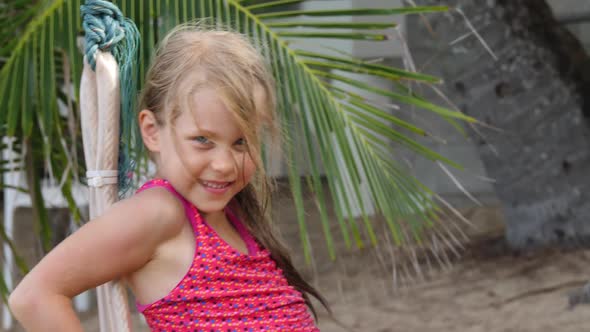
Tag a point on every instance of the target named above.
point(104, 26)
point(101, 178)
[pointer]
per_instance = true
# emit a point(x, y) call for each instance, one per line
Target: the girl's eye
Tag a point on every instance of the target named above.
point(241, 144)
point(202, 139)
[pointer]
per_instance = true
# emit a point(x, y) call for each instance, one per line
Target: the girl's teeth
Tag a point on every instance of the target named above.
point(215, 186)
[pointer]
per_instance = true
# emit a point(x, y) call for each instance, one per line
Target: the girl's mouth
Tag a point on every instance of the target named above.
point(216, 187)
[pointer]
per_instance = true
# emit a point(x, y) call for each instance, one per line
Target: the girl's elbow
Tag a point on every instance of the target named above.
point(17, 303)
point(22, 301)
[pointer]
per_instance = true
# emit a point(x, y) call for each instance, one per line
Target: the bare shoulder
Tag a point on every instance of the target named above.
point(146, 219)
point(156, 208)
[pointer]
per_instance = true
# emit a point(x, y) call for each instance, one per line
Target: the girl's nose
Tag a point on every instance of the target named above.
point(224, 162)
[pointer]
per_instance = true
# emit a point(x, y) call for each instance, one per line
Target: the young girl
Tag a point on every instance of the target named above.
point(194, 244)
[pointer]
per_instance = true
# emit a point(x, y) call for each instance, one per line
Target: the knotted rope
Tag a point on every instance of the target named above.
point(105, 26)
point(107, 30)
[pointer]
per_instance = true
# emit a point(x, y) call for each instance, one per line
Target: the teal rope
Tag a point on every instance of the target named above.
point(107, 30)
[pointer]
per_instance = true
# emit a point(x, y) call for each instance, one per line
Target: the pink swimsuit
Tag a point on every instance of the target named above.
point(225, 290)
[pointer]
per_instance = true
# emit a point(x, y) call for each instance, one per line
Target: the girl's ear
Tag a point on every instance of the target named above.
point(150, 130)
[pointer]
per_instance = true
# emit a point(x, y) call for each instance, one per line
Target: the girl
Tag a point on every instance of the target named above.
point(195, 244)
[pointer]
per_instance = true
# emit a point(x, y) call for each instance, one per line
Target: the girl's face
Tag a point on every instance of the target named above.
point(204, 154)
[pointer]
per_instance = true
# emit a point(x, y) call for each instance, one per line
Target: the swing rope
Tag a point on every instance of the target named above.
point(107, 95)
point(107, 30)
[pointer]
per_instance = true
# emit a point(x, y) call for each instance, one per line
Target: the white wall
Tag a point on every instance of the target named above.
point(571, 8)
point(362, 49)
point(393, 52)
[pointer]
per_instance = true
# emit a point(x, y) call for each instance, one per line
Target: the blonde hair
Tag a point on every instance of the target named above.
point(194, 56)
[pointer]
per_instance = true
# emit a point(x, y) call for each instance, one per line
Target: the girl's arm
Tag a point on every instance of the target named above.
point(112, 246)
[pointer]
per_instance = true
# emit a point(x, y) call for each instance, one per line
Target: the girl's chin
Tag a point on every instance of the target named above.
point(209, 210)
point(208, 200)
point(208, 205)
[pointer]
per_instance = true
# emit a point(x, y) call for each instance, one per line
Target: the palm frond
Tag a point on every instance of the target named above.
point(326, 112)
point(40, 69)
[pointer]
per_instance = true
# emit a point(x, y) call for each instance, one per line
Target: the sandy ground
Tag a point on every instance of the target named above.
point(528, 293)
point(488, 289)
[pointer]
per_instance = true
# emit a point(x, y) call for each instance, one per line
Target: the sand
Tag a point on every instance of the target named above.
point(526, 293)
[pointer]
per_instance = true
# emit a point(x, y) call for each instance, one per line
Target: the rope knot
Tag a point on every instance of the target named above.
point(103, 25)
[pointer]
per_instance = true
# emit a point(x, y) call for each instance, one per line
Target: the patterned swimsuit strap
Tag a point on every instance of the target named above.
point(190, 210)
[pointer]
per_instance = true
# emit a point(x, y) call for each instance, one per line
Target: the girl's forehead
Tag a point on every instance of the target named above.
point(206, 111)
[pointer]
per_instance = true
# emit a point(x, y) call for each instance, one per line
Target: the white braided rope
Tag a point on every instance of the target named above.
point(100, 107)
point(101, 178)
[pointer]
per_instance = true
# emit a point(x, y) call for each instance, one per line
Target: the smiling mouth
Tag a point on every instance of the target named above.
point(215, 184)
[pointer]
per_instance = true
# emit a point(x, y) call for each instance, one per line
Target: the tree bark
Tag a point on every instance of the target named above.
point(534, 85)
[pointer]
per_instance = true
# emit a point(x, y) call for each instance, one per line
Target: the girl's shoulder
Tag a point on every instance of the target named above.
point(159, 205)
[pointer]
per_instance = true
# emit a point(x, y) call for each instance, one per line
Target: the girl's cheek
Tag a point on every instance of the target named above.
point(248, 168)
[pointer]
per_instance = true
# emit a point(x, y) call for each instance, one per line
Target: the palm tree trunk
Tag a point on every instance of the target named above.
point(534, 85)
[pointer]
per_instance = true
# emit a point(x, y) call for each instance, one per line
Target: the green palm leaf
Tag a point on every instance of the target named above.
point(346, 139)
point(39, 63)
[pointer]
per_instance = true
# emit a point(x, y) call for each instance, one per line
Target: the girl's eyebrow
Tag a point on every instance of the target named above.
point(209, 133)
point(206, 132)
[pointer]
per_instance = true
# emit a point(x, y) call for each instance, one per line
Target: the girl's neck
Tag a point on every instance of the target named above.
point(215, 218)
